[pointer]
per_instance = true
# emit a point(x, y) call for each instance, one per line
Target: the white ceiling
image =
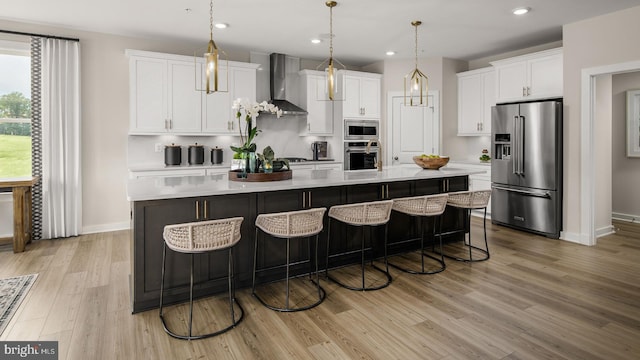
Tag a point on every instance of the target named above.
point(363, 29)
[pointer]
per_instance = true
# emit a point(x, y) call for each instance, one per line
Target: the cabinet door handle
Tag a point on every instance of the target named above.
point(204, 207)
point(528, 90)
point(308, 127)
point(524, 91)
point(387, 190)
point(304, 199)
point(310, 199)
point(197, 210)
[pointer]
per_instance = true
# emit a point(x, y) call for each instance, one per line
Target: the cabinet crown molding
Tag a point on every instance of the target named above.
point(526, 57)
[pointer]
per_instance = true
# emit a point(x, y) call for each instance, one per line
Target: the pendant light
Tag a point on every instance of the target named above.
point(332, 65)
point(416, 83)
point(212, 61)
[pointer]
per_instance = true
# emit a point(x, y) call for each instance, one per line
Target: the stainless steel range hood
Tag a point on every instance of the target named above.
point(277, 75)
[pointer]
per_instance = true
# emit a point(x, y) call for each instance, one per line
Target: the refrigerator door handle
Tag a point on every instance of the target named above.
point(521, 147)
point(516, 143)
point(543, 194)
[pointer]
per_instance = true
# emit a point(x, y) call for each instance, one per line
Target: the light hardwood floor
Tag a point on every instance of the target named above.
point(536, 298)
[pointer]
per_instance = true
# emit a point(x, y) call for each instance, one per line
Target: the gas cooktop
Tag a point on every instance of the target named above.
point(296, 159)
point(299, 159)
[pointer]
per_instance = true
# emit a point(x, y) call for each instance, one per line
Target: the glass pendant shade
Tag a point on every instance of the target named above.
point(332, 66)
point(211, 67)
point(416, 83)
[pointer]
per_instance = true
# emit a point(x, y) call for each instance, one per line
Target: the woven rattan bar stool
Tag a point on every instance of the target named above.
point(470, 200)
point(200, 237)
point(302, 224)
point(424, 207)
point(370, 214)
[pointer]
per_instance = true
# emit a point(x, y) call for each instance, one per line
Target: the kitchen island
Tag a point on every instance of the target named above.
point(159, 201)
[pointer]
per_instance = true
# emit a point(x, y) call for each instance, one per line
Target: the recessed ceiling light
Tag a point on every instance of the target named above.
point(316, 41)
point(521, 10)
point(221, 26)
point(390, 53)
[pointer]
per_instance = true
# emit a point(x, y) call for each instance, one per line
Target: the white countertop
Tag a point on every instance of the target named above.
point(156, 188)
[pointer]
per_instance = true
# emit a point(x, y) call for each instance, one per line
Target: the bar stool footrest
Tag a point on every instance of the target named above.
point(204, 336)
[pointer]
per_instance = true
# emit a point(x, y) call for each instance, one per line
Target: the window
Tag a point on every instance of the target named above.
point(15, 109)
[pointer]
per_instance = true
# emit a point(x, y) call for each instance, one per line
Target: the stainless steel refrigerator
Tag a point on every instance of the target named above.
point(526, 170)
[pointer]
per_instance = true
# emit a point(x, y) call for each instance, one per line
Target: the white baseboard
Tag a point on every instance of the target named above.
point(572, 237)
point(105, 227)
point(607, 230)
point(625, 217)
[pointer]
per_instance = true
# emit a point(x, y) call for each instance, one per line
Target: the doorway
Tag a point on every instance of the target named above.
point(412, 130)
point(588, 142)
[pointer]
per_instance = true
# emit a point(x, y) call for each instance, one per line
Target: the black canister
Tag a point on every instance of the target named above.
point(216, 155)
point(172, 155)
point(196, 154)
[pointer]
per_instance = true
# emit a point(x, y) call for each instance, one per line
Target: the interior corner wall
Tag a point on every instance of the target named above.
point(626, 170)
point(105, 117)
point(599, 41)
point(602, 155)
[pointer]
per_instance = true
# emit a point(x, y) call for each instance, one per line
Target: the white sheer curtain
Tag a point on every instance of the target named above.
point(61, 176)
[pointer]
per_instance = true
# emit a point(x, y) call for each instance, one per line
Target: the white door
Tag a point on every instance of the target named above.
point(413, 130)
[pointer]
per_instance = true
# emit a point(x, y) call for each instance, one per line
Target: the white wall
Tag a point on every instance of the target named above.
point(626, 170)
point(599, 41)
point(602, 155)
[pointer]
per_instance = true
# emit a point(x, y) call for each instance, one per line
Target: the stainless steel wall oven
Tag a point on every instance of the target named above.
point(356, 156)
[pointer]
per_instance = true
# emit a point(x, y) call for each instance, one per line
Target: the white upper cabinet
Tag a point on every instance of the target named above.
point(361, 95)
point(164, 98)
point(184, 113)
point(529, 77)
point(476, 96)
point(314, 100)
point(219, 118)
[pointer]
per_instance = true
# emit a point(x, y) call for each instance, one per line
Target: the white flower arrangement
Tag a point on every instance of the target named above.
point(249, 132)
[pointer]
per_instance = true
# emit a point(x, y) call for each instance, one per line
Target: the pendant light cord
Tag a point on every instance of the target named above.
point(331, 32)
point(211, 20)
point(416, 26)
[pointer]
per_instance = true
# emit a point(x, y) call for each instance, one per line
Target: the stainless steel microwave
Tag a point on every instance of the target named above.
point(361, 129)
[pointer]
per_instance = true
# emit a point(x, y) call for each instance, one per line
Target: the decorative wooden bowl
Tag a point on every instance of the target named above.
point(237, 175)
point(431, 163)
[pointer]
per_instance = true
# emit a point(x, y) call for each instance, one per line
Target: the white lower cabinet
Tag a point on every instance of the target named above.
point(335, 166)
point(166, 173)
point(477, 181)
point(315, 166)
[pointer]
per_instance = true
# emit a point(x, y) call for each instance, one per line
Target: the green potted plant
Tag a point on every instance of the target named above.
point(269, 163)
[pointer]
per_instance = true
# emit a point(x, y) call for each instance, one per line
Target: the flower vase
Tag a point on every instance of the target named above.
point(267, 166)
point(252, 162)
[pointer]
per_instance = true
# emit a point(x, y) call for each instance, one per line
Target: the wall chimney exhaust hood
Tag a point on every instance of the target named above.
point(277, 75)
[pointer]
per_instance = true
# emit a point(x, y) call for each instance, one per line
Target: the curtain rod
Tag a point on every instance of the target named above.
point(38, 35)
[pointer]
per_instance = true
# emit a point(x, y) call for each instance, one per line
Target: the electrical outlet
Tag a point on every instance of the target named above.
point(159, 147)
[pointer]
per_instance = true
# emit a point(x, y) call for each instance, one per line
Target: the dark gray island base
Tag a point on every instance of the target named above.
point(158, 202)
